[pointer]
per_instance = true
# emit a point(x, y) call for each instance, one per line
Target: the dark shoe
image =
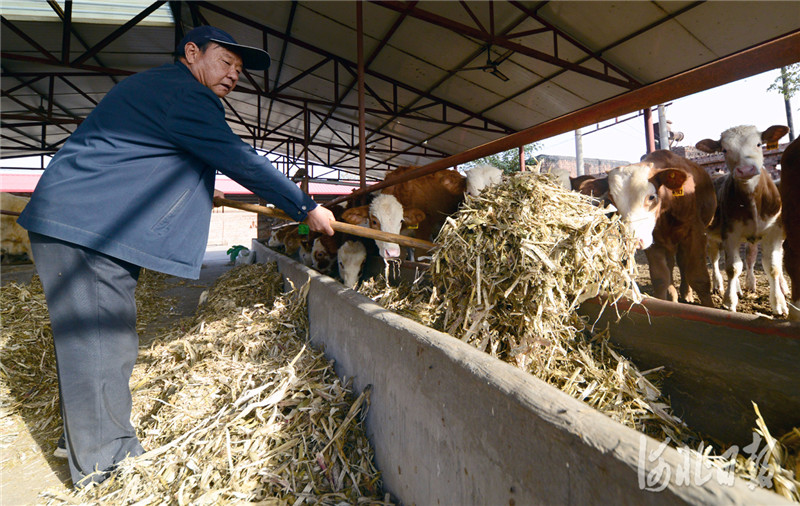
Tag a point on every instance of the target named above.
point(61, 448)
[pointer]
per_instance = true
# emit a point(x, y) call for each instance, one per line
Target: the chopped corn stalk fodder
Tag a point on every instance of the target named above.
point(513, 265)
point(239, 409)
point(29, 383)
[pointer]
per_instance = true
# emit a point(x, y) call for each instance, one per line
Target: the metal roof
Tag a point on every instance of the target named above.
point(440, 78)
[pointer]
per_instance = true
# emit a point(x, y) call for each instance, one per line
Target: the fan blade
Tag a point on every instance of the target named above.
point(499, 75)
point(503, 57)
point(482, 67)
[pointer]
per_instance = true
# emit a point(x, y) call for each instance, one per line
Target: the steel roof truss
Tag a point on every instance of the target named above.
point(117, 33)
point(24, 36)
point(503, 41)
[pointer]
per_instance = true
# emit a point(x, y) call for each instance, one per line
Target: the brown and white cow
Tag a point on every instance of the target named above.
point(667, 201)
point(385, 213)
point(790, 198)
point(286, 237)
point(437, 195)
point(593, 185)
point(420, 206)
point(715, 244)
point(324, 250)
point(749, 209)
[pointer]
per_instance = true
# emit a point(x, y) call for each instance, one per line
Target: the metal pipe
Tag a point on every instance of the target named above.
point(649, 140)
point(362, 134)
point(663, 131)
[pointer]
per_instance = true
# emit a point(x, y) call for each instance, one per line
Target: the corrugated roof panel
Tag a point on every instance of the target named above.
point(89, 11)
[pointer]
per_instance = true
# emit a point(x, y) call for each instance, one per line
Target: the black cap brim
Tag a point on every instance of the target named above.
point(253, 58)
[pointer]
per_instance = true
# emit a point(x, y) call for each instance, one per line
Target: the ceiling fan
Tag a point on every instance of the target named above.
point(491, 65)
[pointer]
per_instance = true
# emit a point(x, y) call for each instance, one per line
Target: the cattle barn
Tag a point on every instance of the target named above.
point(358, 90)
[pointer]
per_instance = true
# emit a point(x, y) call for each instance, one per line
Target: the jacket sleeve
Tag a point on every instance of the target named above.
point(196, 123)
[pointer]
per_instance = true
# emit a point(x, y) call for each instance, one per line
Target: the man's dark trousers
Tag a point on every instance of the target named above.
point(90, 297)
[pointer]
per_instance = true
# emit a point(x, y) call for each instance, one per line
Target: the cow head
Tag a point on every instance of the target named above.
point(482, 176)
point(351, 256)
point(323, 251)
point(593, 186)
point(638, 192)
point(387, 214)
point(742, 147)
point(306, 244)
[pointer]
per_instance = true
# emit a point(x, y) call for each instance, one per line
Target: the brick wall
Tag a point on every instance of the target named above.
point(590, 165)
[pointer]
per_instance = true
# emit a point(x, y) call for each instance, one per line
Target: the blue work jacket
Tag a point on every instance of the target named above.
point(136, 179)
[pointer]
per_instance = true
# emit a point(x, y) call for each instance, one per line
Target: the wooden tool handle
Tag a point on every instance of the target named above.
point(338, 226)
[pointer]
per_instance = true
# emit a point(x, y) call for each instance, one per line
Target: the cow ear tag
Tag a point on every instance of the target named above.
point(302, 229)
point(413, 227)
point(676, 192)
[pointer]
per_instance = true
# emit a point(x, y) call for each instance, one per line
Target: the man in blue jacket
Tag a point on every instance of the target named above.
point(132, 187)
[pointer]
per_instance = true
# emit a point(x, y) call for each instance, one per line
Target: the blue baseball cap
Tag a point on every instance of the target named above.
point(253, 58)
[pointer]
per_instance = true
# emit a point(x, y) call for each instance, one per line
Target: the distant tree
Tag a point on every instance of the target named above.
point(508, 161)
point(788, 83)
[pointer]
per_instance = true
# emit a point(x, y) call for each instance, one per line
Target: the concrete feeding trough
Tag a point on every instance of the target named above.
point(452, 425)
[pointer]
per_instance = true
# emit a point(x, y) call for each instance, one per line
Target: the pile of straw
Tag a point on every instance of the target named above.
point(515, 263)
point(28, 383)
point(236, 409)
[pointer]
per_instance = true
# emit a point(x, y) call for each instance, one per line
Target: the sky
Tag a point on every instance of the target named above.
point(702, 115)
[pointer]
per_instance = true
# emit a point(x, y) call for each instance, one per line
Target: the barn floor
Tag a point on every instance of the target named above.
point(26, 468)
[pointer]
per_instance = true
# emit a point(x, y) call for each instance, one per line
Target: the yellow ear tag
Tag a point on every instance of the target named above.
point(678, 192)
point(413, 227)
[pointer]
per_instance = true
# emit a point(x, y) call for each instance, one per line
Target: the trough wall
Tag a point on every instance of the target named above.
point(452, 425)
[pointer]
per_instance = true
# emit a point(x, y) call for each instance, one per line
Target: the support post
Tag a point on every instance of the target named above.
point(579, 152)
point(663, 131)
point(306, 121)
point(362, 136)
point(650, 143)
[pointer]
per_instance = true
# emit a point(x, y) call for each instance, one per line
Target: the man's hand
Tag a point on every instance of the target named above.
point(319, 220)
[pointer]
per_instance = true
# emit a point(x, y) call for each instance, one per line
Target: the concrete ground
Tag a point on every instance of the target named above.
point(27, 469)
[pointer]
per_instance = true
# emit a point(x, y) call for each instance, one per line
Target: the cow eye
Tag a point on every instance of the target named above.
point(758, 145)
point(651, 198)
point(724, 151)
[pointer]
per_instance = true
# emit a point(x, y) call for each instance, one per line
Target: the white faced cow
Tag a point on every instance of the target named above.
point(749, 209)
point(667, 201)
point(351, 256)
point(387, 214)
